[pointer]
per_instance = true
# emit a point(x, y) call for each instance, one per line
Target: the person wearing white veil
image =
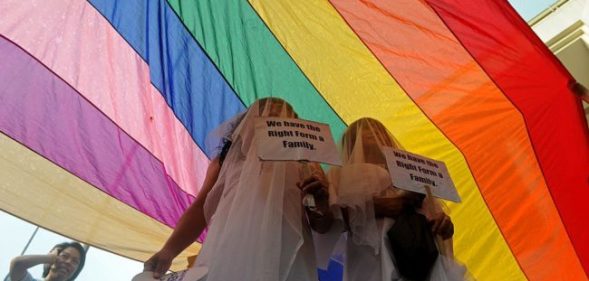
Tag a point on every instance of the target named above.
point(257, 226)
point(362, 188)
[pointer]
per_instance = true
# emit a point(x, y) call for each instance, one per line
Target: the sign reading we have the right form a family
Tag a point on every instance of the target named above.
point(289, 139)
point(413, 172)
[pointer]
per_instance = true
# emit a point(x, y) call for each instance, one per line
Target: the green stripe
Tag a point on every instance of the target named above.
point(250, 57)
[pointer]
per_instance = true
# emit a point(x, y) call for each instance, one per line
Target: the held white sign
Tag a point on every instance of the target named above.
point(290, 139)
point(413, 172)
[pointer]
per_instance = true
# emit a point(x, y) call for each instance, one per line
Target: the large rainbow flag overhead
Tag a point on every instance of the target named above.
point(105, 106)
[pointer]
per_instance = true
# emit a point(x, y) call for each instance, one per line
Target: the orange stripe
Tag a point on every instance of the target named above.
point(450, 87)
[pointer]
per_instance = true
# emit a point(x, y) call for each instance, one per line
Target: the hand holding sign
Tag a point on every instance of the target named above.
point(289, 139)
point(414, 172)
point(282, 139)
point(313, 184)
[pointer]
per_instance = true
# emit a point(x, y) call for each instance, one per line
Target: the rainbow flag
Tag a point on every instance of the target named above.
point(105, 106)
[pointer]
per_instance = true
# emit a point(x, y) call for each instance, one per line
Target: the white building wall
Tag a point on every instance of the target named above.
point(564, 27)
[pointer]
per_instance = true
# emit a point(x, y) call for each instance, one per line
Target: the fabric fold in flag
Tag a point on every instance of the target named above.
point(190, 83)
point(250, 57)
point(472, 111)
point(538, 86)
point(71, 207)
point(95, 60)
point(45, 114)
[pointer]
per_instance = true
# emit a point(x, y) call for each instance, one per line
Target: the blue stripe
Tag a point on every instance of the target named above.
point(191, 84)
point(334, 272)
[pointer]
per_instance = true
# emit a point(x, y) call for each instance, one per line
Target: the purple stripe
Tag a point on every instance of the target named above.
point(44, 113)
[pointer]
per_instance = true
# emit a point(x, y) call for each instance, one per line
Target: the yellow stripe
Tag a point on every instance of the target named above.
point(356, 85)
point(35, 189)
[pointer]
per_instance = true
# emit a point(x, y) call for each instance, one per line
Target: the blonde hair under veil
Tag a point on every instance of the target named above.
point(362, 176)
point(253, 211)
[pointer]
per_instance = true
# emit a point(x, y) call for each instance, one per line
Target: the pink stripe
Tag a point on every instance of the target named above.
point(79, 45)
point(45, 114)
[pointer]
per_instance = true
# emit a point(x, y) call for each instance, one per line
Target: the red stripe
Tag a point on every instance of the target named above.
point(537, 84)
